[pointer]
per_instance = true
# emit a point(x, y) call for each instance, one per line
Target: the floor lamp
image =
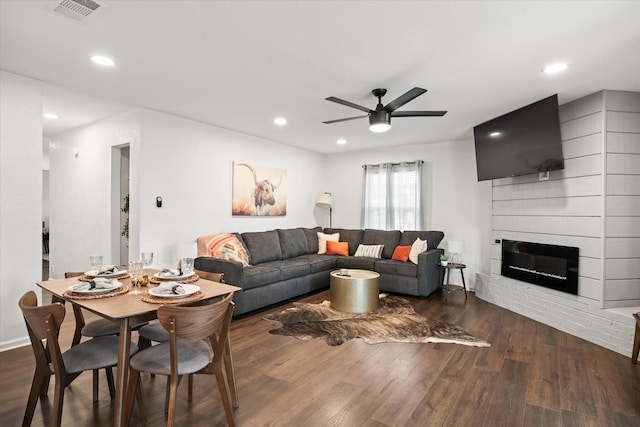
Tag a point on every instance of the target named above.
point(325, 201)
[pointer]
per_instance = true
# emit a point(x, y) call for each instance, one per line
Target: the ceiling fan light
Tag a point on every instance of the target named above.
point(379, 127)
point(379, 121)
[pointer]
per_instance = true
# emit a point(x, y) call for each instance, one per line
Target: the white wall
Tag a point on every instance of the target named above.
point(20, 200)
point(454, 201)
point(81, 192)
point(189, 165)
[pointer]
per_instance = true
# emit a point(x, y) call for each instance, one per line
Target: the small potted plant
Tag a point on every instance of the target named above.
point(444, 259)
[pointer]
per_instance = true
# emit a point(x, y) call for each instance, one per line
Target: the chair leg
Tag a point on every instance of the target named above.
point(190, 393)
point(95, 384)
point(110, 383)
point(58, 401)
point(44, 390)
point(231, 374)
point(133, 391)
point(636, 340)
point(223, 386)
point(36, 391)
point(80, 322)
point(173, 389)
point(141, 408)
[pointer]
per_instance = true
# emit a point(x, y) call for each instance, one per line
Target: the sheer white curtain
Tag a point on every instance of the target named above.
point(392, 196)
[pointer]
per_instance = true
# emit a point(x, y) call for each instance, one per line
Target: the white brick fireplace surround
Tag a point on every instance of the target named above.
point(610, 328)
point(592, 204)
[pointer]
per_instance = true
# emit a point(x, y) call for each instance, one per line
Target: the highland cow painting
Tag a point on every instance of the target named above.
point(258, 190)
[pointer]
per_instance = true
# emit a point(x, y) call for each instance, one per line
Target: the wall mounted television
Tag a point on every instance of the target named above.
point(524, 141)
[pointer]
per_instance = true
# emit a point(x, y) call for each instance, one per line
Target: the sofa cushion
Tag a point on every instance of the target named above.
point(390, 239)
point(371, 251)
point(353, 237)
point(337, 248)
point(263, 246)
point(312, 239)
point(417, 248)
point(223, 246)
point(399, 268)
point(356, 263)
point(318, 263)
point(323, 238)
point(291, 268)
point(433, 238)
point(401, 253)
point(293, 243)
point(260, 275)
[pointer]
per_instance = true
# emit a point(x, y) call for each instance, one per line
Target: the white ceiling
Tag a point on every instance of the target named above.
point(239, 64)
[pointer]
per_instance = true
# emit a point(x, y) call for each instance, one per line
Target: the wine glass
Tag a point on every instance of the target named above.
point(96, 263)
point(135, 271)
point(146, 258)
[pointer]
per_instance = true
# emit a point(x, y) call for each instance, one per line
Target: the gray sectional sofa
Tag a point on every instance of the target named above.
point(285, 264)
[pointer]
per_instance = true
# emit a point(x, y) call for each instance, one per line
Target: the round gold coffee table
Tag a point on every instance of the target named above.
point(356, 292)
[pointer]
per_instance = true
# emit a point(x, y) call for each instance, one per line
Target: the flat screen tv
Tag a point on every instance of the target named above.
point(522, 142)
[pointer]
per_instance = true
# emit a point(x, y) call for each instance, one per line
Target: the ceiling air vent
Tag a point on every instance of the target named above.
point(79, 9)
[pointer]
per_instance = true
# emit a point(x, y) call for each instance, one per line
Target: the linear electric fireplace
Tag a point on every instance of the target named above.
point(551, 266)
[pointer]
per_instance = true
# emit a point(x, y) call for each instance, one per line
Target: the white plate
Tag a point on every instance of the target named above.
point(94, 273)
point(188, 290)
point(93, 291)
point(180, 277)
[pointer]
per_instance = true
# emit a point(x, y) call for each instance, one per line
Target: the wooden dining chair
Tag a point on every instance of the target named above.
point(193, 332)
point(93, 329)
point(43, 323)
point(155, 332)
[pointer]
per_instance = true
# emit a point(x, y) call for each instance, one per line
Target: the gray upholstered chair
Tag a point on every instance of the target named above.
point(43, 323)
point(93, 329)
point(193, 332)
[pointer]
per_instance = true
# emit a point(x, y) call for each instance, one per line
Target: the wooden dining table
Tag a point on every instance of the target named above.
point(126, 310)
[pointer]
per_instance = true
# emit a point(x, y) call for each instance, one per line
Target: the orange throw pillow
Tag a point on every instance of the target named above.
point(338, 248)
point(401, 253)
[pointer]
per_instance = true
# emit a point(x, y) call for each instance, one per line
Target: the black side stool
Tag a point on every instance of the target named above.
point(446, 270)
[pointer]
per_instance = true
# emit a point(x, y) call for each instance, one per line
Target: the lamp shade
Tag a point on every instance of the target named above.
point(456, 246)
point(325, 201)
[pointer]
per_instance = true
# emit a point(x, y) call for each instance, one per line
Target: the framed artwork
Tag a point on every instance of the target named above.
point(258, 190)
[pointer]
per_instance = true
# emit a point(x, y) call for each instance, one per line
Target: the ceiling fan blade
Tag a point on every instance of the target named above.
point(349, 104)
point(343, 120)
point(403, 99)
point(418, 113)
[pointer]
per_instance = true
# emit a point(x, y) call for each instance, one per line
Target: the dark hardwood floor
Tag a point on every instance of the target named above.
point(532, 375)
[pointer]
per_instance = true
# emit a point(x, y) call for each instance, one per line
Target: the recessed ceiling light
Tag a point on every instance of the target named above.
point(103, 60)
point(50, 116)
point(341, 141)
point(280, 121)
point(555, 68)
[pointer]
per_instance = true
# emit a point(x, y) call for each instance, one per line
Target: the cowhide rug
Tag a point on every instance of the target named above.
point(395, 321)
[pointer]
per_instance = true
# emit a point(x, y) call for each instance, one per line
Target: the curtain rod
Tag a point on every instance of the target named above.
point(394, 164)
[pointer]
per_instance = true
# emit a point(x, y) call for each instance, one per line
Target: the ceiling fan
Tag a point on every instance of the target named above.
point(380, 118)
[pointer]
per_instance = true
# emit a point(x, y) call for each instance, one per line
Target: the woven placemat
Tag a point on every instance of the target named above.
point(74, 295)
point(160, 300)
point(85, 278)
point(190, 279)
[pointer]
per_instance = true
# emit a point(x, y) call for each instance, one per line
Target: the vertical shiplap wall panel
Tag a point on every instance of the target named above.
point(567, 209)
point(622, 248)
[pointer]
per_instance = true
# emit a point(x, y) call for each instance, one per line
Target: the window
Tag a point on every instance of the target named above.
point(392, 196)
